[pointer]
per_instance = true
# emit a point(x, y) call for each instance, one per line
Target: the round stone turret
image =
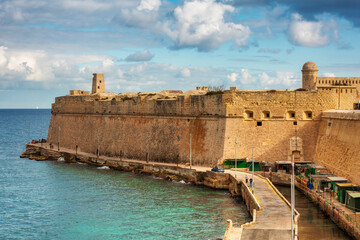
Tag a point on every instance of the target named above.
point(309, 76)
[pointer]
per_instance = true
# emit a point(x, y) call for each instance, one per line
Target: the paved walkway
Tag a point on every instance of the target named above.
point(274, 221)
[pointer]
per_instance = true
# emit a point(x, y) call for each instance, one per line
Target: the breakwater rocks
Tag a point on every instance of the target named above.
point(166, 171)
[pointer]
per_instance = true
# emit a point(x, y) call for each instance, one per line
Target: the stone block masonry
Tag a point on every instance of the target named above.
point(165, 139)
point(136, 126)
point(338, 144)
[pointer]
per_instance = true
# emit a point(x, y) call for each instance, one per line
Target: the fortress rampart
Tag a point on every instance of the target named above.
point(160, 126)
point(131, 127)
point(338, 145)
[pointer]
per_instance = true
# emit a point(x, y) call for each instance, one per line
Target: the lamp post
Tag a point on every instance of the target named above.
point(292, 197)
point(59, 140)
point(252, 182)
point(235, 157)
point(98, 144)
point(190, 149)
point(147, 149)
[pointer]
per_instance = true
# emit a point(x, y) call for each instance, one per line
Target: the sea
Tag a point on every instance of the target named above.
point(58, 200)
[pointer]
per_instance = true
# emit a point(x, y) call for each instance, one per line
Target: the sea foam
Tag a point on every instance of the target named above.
point(104, 168)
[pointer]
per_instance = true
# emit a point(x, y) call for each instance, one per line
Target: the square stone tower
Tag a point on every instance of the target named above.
point(98, 84)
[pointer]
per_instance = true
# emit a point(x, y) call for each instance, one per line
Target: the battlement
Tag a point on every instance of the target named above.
point(256, 105)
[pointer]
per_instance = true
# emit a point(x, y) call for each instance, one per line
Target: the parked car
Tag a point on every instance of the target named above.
point(217, 169)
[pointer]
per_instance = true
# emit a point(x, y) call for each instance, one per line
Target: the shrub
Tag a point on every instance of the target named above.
point(126, 98)
point(215, 92)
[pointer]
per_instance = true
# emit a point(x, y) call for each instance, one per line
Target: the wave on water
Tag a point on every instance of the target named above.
point(81, 163)
point(104, 168)
point(61, 159)
point(181, 181)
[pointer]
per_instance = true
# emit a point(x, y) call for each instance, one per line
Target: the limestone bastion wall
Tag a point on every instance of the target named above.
point(338, 145)
point(263, 118)
point(129, 128)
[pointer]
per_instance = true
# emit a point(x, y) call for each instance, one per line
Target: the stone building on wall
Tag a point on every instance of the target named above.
point(160, 124)
point(312, 82)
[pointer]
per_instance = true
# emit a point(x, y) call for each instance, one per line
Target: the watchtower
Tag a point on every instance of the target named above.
point(309, 75)
point(98, 84)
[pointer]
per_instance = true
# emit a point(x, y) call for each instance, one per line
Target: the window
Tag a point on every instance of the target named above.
point(259, 124)
point(266, 115)
point(329, 124)
point(249, 114)
point(308, 115)
point(295, 123)
point(290, 115)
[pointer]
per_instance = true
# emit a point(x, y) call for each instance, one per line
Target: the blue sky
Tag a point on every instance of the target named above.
point(50, 47)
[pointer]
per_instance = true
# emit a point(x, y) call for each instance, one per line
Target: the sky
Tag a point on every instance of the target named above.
point(50, 47)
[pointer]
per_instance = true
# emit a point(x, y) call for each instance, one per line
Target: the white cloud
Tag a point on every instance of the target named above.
point(232, 77)
point(145, 15)
point(329, 75)
point(185, 73)
point(201, 24)
point(245, 77)
point(140, 56)
point(281, 80)
point(3, 58)
point(151, 5)
point(311, 33)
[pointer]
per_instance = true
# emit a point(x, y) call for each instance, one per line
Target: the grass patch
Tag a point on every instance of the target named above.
point(215, 92)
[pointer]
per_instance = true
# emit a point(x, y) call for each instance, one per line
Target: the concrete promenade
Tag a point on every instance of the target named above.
point(273, 221)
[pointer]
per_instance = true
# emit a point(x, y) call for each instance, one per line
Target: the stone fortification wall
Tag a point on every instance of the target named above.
point(273, 110)
point(344, 81)
point(132, 126)
point(338, 143)
point(166, 138)
point(192, 105)
point(123, 125)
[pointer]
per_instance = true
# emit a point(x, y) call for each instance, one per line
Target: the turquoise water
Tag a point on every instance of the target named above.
point(313, 223)
point(56, 200)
